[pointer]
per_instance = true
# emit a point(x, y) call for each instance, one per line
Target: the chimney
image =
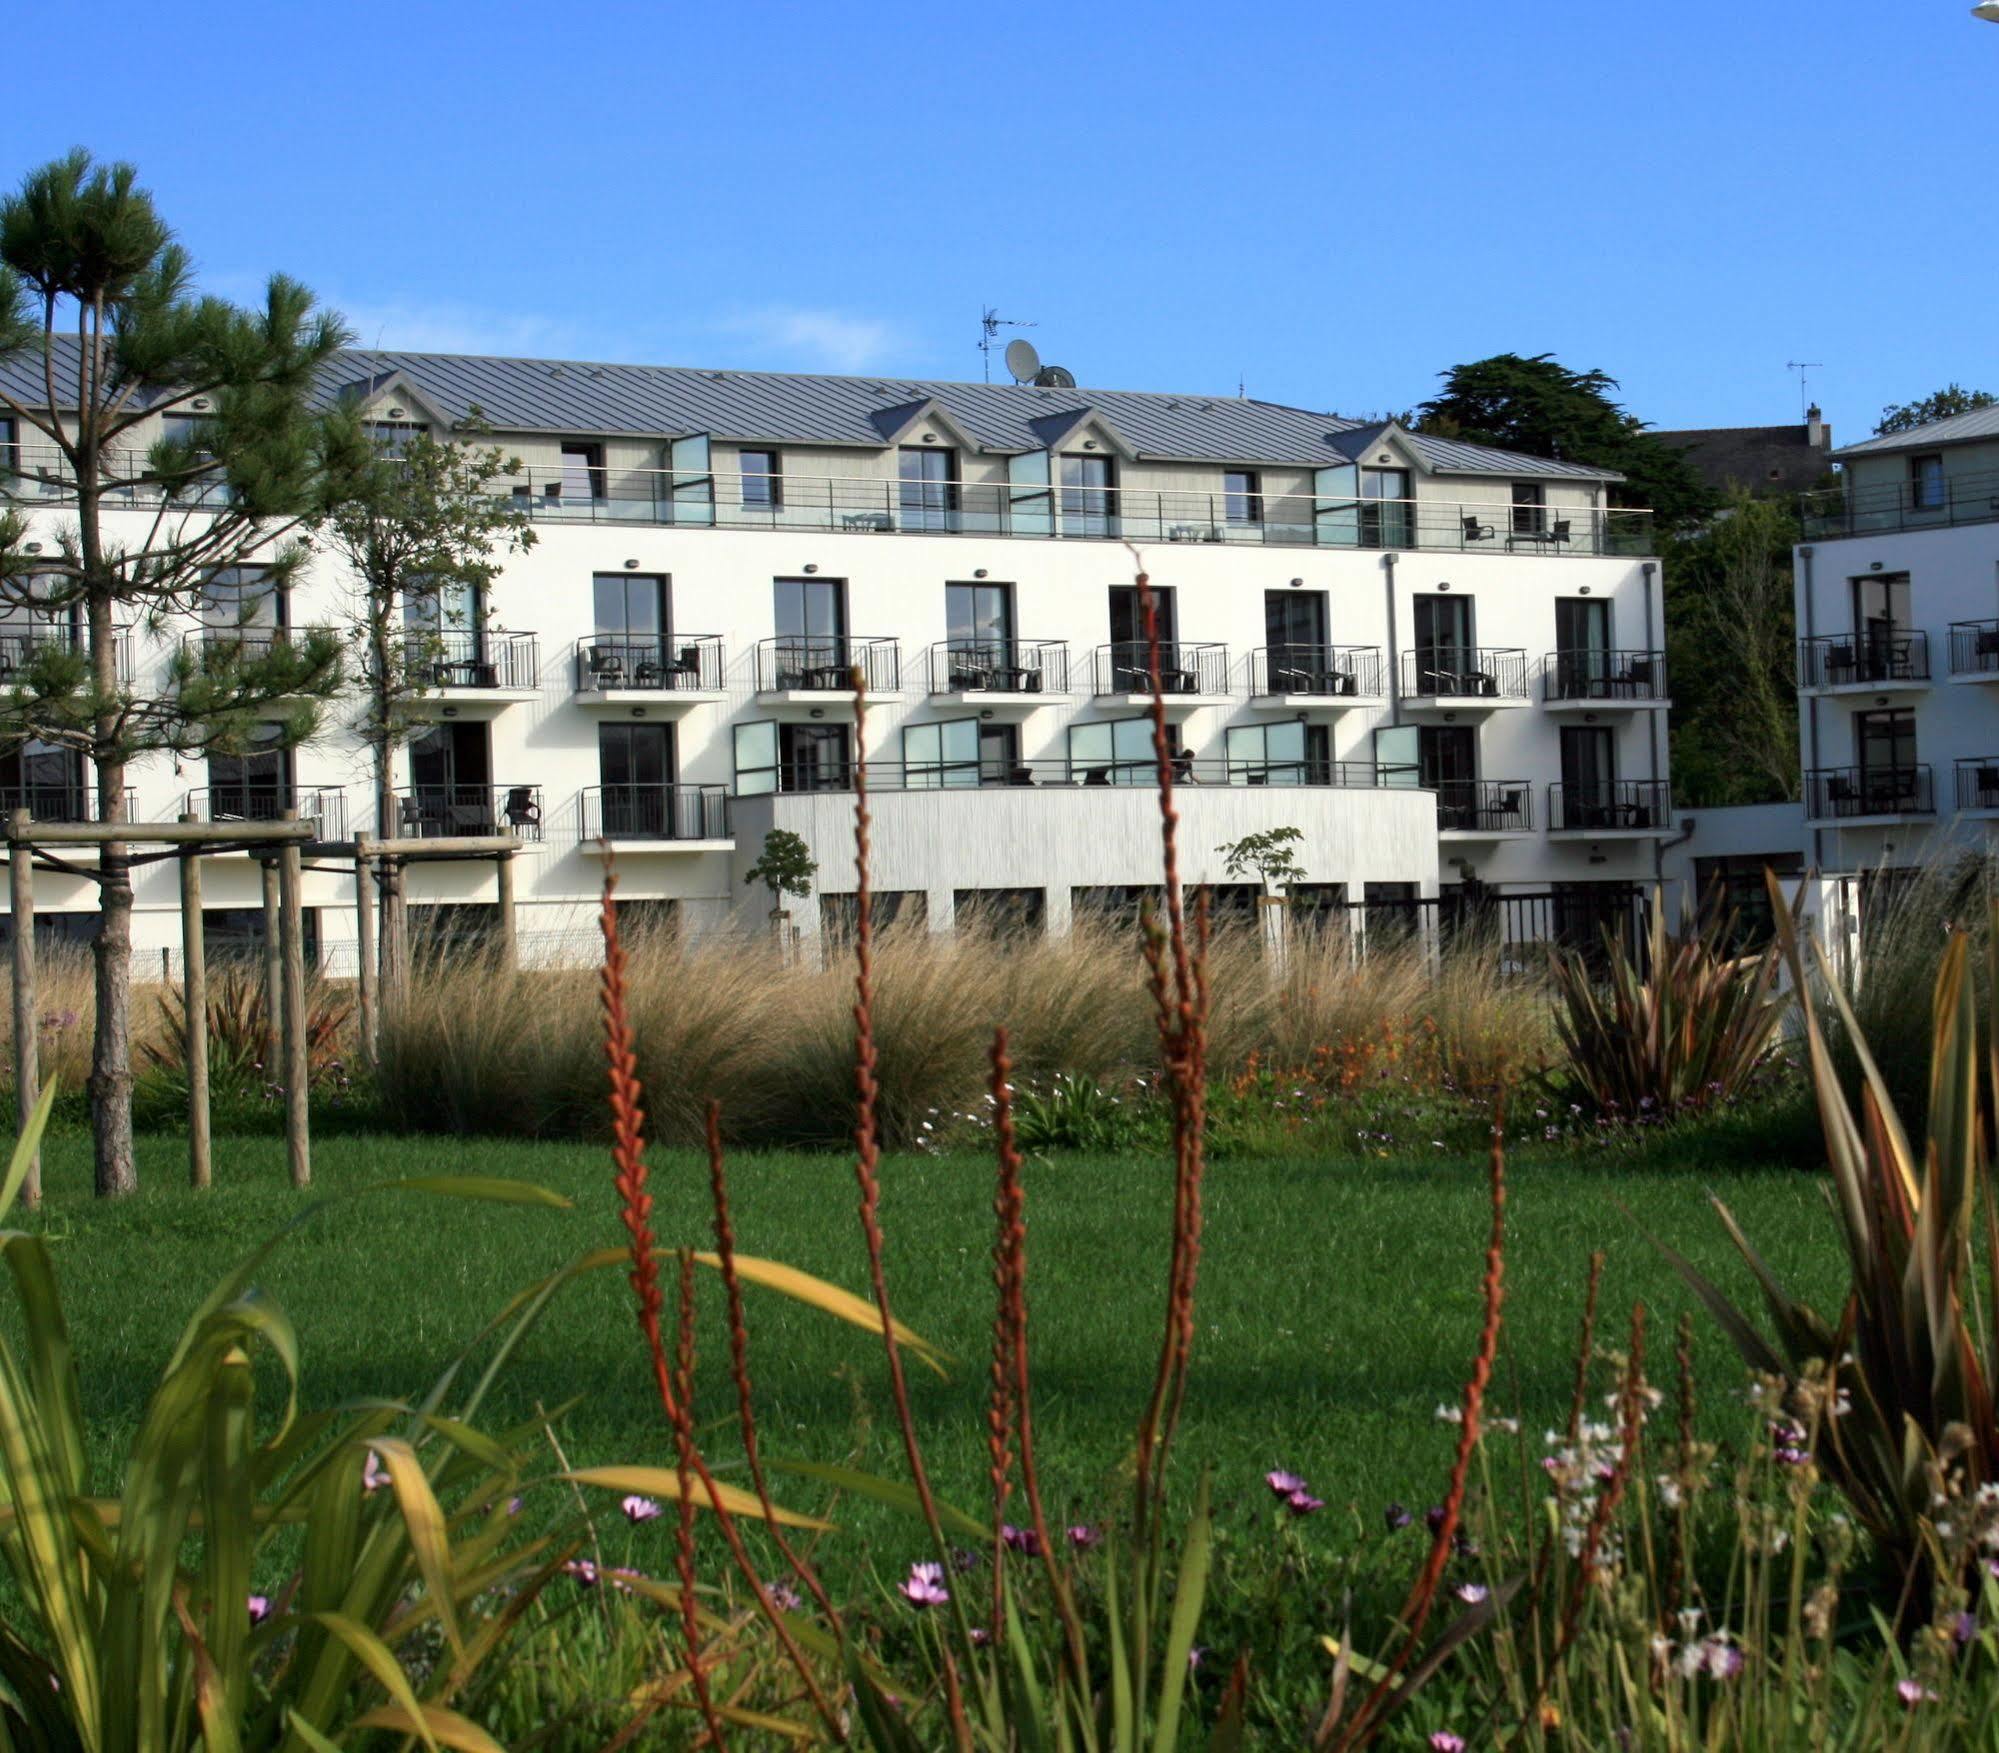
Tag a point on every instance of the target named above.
point(1817, 433)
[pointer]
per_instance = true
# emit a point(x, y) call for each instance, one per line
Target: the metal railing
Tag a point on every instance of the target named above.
point(40, 472)
point(1485, 806)
point(1604, 675)
point(1609, 804)
point(20, 646)
point(1066, 775)
point(456, 812)
point(1125, 668)
point(1832, 793)
point(325, 806)
point(999, 666)
point(1324, 671)
point(816, 663)
point(1839, 660)
point(469, 657)
point(655, 812)
point(1978, 783)
point(1451, 672)
point(652, 663)
point(1974, 648)
point(1854, 510)
point(886, 504)
point(215, 646)
point(60, 800)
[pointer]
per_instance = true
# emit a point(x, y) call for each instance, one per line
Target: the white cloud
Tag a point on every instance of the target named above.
point(825, 340)
point(400, 327)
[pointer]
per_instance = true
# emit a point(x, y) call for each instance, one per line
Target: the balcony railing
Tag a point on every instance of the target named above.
point(1854, 510)
point(21, 645)
point(1838, 660)
point(655, 812)
point(215, 646)
point(1327, 671)
point(1974, 648)
point(815, 664)
point(1608, 805)
point(458, 812)
point(1978, 783)
point(60, 800)
point(1125, 668)
point(1485, 806)
point(999, 666)
point(675, 663)
point(1605, 675)
point(1464, 673)
point(467, 657)
point(706, 499)
point(1832, 793)
point(972, 775)
point(325, 806)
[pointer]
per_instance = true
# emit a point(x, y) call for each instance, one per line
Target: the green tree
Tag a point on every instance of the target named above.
point(1731, 655)
point(1545, 409)
point(424, 538)
point(1953, 398)
point(97, 298)
point(1270, 856)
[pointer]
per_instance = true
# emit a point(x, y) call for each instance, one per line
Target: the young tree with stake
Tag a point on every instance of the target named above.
point(101, 333)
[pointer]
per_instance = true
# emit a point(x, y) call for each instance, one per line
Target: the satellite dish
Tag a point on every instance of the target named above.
point(1055, 377)
point(1022, 360)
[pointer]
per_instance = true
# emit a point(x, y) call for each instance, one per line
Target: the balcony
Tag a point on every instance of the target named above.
point(1974, 651)
point(796, 669)
point(1978, 786)
point(1321, 678)
point(462, 812)
point(475, 667)
point(21, 646)
point(1064, 775)
point(1862, 797)
point(1001, 672)
point(1484, 809)
point(325, 806)
point(1190, 676)
point(1599, 681)
point(655, 818)
point(1619, 809)
point(1873, 662)
point(60, 800)
point(1893, 506)
point(673, 672)
point(1464, 678)
point(217, 647)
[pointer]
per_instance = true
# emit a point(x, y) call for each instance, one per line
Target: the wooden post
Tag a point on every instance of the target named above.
point(274, 972)
point(27, 1025)
point(194, 998)
point(364, 927)
point(297, 1066)
point(395, 931)
point(510, 948)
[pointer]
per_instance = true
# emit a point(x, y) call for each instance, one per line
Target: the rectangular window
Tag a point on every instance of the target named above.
point(979, 633)
point(1000, 912)
point(888, 910)
point(1530, 508)
point(582, 471)
point(1279, 754)
point(1444, 654)
point(635, 768)
point(1242, 497)
point(1089, 496)
point(236, 935)
point(1926, 482)
point(392, 438)
point(791, 757)
point(1885, 742)
point(254, 785)
point(1115, 907)
point(763, 486)
point(1115, 751)
point(1589, 778)
point(1882, 613)
point(1294, 629)
point(961, 752)
point(241, 596)
point(929, 490)
point(811, 643)
point(9, 457)
point(1385, 509)
point(1128, 623)
point(46, 781)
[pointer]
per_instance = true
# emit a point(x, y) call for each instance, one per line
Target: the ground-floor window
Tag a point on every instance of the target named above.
point(452, 927)
point(55, 931)
point(1735, 884)
point(1000, 912)
point(1394, 914)
point(1588, 917)
point(235, 935)
point(904, 909)
point(1318, 909)
point(1114, 905)
point(648, 919)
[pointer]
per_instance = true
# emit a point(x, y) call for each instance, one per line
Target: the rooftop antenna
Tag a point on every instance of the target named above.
point(990, 324)
point(1801, 366)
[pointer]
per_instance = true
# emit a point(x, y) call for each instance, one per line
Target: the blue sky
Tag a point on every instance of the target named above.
point(1328, 203)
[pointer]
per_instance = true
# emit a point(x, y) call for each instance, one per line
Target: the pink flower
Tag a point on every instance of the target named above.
point(1082, 1537)
point(374, 1475)
point(639, 1509)
point(1302, 1503)
point(1913, 1693)
point(260, 1609)
point(583, 1571)
point(783, 1597)
point(513, 1506)
point(1022, 1540)
point(1282, 1483)
point(980, 1637)
point(1471, 1593)
point(1443, 1741)
point(924, 1586)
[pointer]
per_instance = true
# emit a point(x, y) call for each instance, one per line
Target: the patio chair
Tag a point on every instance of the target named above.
point(1558, 531)
point(607, 666)
point(1842, 794)
point(1987, 643)
point(522, 810)
point(409, 816)
point(1478, 532)
point(1513, 804)
point(1988, 787)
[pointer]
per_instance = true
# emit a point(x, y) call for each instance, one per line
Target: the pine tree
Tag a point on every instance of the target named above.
point(99, 314)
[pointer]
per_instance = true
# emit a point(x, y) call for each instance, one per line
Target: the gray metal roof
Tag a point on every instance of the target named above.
point(657, 401)
point(1980, 423)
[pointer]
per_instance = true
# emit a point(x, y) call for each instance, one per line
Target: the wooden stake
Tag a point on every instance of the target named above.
point(274, 972)
point(194, 996)
point(364, 928)
point(27, 1025)
point(510, 948)
point(297, 1070)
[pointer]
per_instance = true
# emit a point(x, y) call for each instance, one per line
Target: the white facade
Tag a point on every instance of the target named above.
point(1541, 770)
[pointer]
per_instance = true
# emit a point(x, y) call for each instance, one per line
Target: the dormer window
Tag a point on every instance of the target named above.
point(1530, 508)
point(1926, 482)
point(1242, 497)
point(582, 470)
point(929, 486)
point(392, 438)
point(763, 486)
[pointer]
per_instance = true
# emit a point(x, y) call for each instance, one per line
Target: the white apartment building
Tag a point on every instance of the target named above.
point(1898, 655)
point(1442, 663)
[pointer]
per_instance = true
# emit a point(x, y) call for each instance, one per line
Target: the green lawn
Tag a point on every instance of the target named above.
point(1338, 1297)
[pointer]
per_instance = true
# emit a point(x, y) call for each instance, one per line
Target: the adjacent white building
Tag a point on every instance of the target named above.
point(1442, 663)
